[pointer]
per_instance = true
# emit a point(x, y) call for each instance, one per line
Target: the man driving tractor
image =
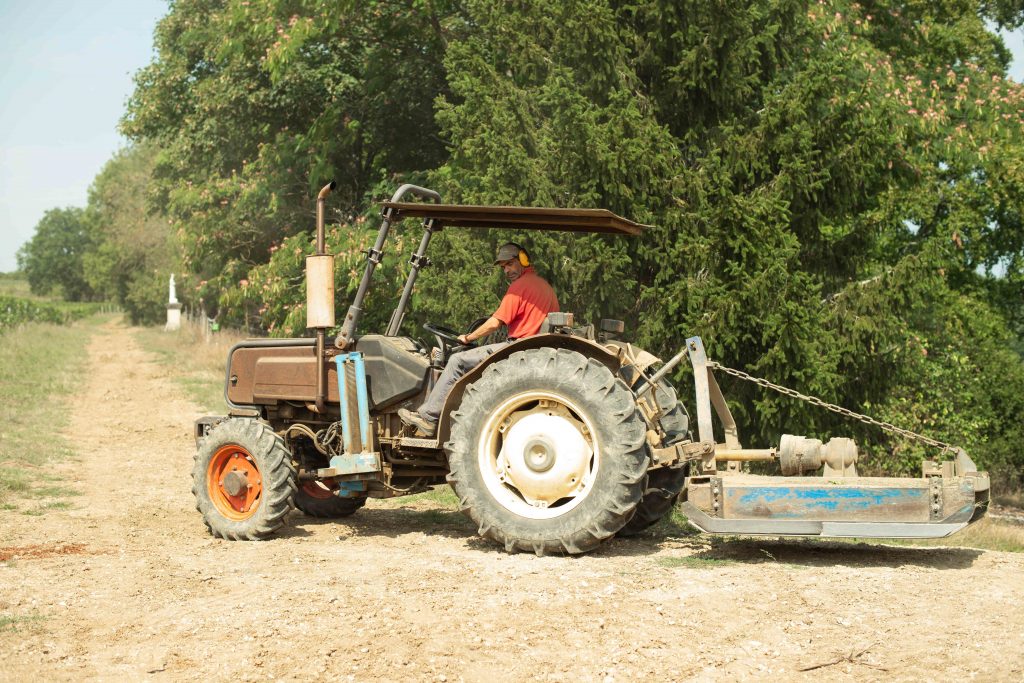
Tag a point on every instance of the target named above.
point(523, 309)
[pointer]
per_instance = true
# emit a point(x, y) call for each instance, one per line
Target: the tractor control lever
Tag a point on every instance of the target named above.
point(664, 370)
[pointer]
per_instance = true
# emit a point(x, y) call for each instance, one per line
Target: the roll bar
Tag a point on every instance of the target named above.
point(373, 257)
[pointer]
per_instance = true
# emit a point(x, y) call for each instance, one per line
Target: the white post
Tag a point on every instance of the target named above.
point(173, 308)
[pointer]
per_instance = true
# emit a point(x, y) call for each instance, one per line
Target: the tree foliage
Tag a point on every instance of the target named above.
point(52, 259)
point(257, 104)
point(834, 189)
point(135, 251)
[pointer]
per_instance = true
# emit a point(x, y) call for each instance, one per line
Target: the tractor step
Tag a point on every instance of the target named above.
point(413, 442)
point(867, 507)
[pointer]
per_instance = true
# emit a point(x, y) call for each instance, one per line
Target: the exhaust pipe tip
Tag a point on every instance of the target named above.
point(327, 189)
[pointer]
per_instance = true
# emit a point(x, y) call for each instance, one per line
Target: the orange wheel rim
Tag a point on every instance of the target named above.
point(318, 489)
point(234, 482)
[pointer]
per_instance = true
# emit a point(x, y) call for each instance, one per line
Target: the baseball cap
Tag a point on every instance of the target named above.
point(506, 252)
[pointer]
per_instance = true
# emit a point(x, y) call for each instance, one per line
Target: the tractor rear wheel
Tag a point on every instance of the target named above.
point(663, 487)
point(547, 452)
point(243, 480)
point(317, 500)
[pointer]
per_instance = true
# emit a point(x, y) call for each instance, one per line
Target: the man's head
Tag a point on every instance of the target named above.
point(513, 259)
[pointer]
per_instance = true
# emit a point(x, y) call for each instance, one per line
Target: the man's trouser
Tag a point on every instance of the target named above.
point(458, 365)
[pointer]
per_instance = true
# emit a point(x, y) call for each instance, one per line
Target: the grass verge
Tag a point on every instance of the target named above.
point(437, 507)
point(1013, 499)
point(13, 285)
point(442, 497)
point(40, 367)
point(197, 364)
point(985, 534)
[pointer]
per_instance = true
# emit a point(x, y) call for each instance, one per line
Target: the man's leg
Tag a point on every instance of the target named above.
point(459, 365)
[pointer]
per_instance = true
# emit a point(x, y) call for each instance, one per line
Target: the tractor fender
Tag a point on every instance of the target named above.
point(583, 346)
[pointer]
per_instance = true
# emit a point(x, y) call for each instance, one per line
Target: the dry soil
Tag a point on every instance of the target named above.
point(128, 585)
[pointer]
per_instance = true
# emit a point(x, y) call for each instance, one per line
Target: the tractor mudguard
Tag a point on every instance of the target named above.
point(583, 346)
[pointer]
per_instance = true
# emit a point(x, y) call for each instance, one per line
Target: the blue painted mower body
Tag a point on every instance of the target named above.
point(720, 498)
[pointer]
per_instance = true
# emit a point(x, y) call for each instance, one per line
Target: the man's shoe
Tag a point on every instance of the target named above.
point(418, 421)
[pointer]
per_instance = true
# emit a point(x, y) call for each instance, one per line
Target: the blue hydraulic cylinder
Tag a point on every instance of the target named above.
point(358, 366)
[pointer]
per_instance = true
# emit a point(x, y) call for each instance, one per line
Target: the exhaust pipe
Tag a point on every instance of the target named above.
point(320, 296)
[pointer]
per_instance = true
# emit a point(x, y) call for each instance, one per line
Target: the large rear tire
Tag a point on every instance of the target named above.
point(243, 480)
point(547, 452)
point(663, 487)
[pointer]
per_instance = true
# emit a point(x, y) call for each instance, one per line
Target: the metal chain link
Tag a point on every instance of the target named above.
point(813, 400)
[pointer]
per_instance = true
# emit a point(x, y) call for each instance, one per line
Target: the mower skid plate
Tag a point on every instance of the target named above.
point(863, 507)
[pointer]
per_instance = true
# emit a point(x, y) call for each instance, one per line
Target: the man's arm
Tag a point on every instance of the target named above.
point(490, 325)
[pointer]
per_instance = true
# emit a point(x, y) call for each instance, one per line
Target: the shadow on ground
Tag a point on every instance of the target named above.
point(387, 522)
point(431, 519)
point(804, 552)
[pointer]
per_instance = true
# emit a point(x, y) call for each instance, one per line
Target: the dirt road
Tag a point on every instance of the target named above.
point(127, 585)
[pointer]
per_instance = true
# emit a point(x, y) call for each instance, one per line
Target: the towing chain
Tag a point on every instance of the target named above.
point(814, 400)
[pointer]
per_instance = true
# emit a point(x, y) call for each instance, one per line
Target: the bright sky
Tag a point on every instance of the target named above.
point(65, 73)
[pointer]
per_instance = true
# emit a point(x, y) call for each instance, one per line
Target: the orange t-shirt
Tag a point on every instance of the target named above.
point(526, 304)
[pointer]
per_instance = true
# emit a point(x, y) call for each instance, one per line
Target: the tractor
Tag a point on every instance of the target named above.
point(553, 445)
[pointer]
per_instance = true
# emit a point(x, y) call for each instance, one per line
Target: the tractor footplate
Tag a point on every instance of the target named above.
point(425, 444)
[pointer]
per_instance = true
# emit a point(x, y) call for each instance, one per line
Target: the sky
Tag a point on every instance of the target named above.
point(65, 73)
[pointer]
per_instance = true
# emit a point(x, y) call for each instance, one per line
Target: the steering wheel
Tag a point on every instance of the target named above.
point(444, 334)
point(447, 338)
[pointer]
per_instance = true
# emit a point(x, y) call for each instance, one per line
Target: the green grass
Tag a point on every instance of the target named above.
point(676, 525)
point(197, 364)
point(12, 285)
point(53, 492)
point(985, 534)
point(693, 562)
point(43, 508)
point(13, 479)
point(434, 508)
point(442, 496)
point(14, 622)
point(40, 368)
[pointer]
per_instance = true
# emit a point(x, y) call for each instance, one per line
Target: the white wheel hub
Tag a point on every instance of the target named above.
point(545, 457)
point(538, 456)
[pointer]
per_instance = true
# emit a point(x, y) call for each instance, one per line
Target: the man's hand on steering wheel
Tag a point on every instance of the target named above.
point(448, 339)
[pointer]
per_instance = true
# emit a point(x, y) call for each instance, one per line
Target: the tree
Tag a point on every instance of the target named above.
point(834, 191)
point(823, 182)
point(135, 250)
point(52, 259)
point(257, 104)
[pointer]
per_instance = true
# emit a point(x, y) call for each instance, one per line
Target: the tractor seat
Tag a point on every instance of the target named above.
point(555, 322)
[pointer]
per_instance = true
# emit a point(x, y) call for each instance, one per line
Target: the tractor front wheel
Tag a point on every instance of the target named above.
point(243, 480)
point(547, 452)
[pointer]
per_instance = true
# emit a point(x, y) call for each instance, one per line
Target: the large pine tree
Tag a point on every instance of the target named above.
point(834, 189)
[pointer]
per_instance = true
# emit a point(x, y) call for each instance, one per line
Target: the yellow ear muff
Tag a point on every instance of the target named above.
point(524, 260)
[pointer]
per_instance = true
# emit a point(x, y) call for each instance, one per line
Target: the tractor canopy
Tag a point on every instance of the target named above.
point(437, 216)
point(516, 217)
